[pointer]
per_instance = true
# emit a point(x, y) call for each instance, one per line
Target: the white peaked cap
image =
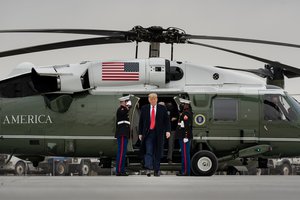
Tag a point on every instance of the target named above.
point(184, 101)
point(125, 98)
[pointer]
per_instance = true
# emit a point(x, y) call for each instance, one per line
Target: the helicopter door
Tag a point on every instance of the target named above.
point(177, 101)
point(134, 115)
point(277, 125)
point(1, 117)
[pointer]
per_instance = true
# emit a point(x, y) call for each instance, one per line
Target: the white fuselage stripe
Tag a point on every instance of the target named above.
point(63, 137)
point(249, 139)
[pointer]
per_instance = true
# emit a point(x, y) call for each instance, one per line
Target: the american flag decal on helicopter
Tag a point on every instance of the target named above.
point(120, 71)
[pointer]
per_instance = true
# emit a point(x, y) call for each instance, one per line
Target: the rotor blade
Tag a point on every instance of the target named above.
point(205, 37)
point(65, 44)
point(260, 72)
point(273, 63)
point(290, 74)
point(71, 31)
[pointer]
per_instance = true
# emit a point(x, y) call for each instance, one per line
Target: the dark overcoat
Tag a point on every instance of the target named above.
point(162, 125)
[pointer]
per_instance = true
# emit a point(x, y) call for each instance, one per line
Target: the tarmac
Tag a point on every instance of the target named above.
point(139, 187)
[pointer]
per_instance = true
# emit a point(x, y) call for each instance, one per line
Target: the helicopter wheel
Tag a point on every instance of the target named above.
point(85, 168)
point(204, 163)
point(60, 169)
point(286, 169)
point(20, 168)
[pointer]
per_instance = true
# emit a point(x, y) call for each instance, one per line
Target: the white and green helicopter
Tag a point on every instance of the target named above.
point(69, 110)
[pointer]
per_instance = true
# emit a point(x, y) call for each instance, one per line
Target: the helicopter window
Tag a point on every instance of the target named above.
point(276, 107)
point(20, 86)
point(294, 110)
point(288, 113)
point(200, 100)
point(271, 107)
point(225, 109)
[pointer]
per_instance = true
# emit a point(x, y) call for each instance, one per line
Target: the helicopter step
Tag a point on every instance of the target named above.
point(136, 167)
point(253, 151)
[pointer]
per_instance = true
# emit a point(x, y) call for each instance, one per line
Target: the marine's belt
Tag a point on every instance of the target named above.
point(123, 122)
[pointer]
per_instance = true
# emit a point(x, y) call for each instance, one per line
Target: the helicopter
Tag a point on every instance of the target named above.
point(69, 110)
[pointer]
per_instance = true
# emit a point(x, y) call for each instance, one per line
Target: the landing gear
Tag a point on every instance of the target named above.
point(286, 169)
point(204, 163)
point(85, 168)
point(60, 169)
point(105, 162)
point(20, 168)
point(233, 171)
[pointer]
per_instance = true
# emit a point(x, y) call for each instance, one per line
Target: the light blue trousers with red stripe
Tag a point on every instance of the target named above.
point(121, 154)
point(185, 157)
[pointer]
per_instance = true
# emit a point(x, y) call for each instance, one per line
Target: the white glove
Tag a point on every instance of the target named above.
point(185, 140)
point(182, 124)
point(128, 103)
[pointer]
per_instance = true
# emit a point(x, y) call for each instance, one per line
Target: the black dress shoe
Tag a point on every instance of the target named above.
point(148, 172)
point(157, 173)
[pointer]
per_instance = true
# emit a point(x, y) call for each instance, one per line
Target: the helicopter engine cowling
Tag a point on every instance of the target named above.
point(152, 71)
point(64, 78)
point(71, 78)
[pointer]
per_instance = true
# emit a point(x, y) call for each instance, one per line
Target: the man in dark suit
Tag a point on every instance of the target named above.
point(154, 125)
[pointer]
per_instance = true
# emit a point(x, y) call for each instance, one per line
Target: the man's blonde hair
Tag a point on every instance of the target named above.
point(152, 95)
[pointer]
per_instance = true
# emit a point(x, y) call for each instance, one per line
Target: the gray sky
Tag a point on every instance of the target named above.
point(276, 20)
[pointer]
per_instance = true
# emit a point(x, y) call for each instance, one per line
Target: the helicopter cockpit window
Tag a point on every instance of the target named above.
point(271, 108)
point(276, 107)
point(225, 109)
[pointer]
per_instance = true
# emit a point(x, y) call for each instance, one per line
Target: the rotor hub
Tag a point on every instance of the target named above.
point(157, 34)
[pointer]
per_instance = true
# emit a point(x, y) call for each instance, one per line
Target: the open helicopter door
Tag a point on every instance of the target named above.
point(134, 122)
point(177, 101)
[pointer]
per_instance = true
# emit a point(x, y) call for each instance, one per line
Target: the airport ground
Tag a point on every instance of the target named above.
point(154, 188)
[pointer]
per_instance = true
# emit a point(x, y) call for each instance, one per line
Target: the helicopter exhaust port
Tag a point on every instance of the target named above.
point(45, 84)
point(61, 78)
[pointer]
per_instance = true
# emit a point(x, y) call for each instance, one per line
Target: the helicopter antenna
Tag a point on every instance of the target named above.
point(172, 51)
point(136, 49)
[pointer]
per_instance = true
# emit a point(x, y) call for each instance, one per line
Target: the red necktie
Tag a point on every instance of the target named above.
point(152, 123)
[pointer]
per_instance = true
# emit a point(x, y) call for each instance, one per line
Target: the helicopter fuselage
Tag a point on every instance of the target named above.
point(229, 114)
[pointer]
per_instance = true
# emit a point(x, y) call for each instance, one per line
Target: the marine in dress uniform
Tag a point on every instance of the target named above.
point(122, 135)
point(184, 135)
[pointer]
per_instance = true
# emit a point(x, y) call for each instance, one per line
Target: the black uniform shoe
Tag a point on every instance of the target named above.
point(123, 174)
point(180, 174)
point(156, 173)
